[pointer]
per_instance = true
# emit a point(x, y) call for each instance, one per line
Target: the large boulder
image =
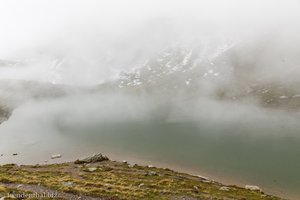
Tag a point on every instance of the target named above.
point(92, 159)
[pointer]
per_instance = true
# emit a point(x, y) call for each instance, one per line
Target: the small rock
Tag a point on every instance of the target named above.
point(93, 159)
point(150, 166)
point(283, 97)
point(19, 186)
point(45, 161)
point(68, 184)
point(124, 161)
point(203, 177)
point(195, 187)
point(224, 188)
point(55, 156)
point(141, 185)
point(1, 155)
point(252, 188)
point(92, 169)
point(151, 173)
point(15, 154)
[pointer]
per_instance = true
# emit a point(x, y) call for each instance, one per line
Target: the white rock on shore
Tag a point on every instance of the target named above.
point(252, 188)
point(205, 179)
point(224, 188)
point(92, 169)
point(55, 156)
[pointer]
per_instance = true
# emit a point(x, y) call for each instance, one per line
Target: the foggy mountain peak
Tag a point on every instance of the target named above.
point(187, 71)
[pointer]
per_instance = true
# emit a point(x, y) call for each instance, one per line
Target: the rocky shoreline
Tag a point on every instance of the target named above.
point(98, 177)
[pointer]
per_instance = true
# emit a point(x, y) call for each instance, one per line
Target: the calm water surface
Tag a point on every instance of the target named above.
point(230, 153)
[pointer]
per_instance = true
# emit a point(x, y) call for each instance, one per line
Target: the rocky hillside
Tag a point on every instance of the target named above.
point(225, 75)
point(4, 113)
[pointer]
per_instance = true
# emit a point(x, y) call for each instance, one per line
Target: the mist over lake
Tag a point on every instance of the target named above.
point(206, 87)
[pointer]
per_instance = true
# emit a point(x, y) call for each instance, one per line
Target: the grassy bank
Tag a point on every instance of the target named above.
point(113, 180)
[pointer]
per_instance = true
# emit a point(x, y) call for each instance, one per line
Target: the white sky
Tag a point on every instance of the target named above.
point(25, 22)
point(75, 25)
